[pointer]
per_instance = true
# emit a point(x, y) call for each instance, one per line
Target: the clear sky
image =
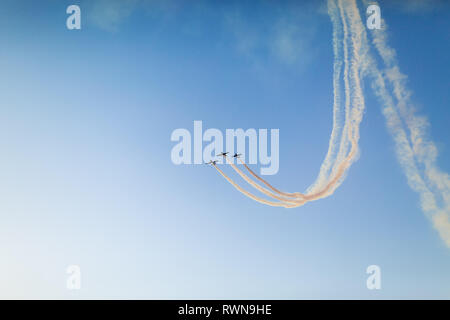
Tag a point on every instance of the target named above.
point(86, 176)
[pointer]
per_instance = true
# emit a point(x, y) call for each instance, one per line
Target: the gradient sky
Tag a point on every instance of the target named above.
point(86, 176)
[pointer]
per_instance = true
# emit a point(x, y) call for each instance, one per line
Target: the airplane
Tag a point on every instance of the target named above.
point(223, 154)
point(237, 155)
point(211, 162)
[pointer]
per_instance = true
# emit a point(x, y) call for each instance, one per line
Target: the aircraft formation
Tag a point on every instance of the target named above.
point(222, 154)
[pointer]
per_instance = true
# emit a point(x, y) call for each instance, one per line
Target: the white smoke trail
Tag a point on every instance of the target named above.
point(336, 133)
point(344, 144)
point(354, 102)
point(415, 151)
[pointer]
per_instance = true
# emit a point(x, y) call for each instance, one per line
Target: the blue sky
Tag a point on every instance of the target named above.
point(87, 178)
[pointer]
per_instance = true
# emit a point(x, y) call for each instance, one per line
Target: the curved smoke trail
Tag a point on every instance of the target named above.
point(252, 196)
point(415, 151)
point(343, 146)
point(262, 189)
point(285, 194)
